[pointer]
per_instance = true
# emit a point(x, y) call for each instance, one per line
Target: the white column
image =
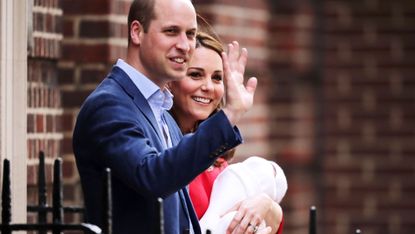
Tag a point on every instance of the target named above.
point(13, 99)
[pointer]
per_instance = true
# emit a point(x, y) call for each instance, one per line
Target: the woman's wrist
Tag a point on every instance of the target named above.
point(274, 216)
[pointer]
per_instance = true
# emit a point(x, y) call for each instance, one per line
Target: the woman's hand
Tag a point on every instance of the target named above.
point(251, 212)
point(239, 97)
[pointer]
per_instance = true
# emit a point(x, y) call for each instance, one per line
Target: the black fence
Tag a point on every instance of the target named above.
point(313, 222)
point(57, 209)
point(57, 226)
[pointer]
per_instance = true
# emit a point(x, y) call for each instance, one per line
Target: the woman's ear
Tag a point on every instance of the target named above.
point(136, 29)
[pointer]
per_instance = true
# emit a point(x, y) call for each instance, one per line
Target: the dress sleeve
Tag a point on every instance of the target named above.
point(281, 226)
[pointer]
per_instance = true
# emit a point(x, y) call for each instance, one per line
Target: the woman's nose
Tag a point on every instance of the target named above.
point(207, 85)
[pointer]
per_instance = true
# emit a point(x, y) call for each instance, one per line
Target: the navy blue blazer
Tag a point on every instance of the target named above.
point(116, 128)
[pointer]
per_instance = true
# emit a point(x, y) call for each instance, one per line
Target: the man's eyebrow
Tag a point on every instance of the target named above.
point(170, 26)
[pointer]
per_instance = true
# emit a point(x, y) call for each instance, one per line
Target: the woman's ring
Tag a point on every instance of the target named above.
point(255, 228)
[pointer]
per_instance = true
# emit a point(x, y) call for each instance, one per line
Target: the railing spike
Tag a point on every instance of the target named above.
point(6, 214)
point(57, 194)
point(42, 199)
point(313, 220)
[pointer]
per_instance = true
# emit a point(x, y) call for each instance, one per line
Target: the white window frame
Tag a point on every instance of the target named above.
point(14, 15)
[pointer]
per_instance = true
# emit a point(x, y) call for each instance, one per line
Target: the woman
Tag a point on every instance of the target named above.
point(196, 97)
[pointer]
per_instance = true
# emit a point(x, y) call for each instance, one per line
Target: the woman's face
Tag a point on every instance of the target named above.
point(200, 92)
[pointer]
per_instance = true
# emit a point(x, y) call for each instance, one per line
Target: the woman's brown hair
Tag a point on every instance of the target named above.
point(207, 38)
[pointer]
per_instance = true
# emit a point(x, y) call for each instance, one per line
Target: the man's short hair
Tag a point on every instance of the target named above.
point(142, 11)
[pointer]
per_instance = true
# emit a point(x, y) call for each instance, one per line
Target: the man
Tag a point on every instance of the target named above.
point(123, 124)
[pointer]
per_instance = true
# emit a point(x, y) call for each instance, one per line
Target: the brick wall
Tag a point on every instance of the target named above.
point(44, 110)
point(369, 96)
point(334, 105)
point(281, 124)
point(295, 107)
point(347, 131)
point(94, 37)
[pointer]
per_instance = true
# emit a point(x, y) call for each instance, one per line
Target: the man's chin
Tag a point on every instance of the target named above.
point(177, 75)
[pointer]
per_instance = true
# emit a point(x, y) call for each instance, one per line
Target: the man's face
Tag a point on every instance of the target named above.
point(166, 48)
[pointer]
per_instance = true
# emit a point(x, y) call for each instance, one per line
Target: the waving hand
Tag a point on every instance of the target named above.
point(239, 97)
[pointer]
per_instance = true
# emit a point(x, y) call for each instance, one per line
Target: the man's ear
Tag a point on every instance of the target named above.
point(136, 29)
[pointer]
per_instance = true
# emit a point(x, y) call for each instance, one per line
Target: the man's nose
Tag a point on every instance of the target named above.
point(183, 42)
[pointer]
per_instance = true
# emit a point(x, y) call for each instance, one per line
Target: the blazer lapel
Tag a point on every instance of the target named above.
point(125, 82)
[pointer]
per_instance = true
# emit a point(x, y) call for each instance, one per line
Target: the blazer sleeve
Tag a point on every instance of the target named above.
point(112, 132)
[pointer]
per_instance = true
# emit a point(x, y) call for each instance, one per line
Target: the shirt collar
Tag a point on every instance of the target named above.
point(151, 92)
point(144, 84)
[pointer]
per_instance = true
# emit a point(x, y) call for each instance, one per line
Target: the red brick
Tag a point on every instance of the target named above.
point(118, 30)
point(40, 124)
point(373, 33)
point(67, 121)
point(38, 21)
point(86, 53)
point(94, 29)
point(66, 76)
point(68, 28)
point(50, 123)
point(92, 76)
point(80, 7)
point(74, 98)
point(68, 169)
point(30, 123)
point(31, 174)
point(49, 23)
point(66, 146)
point(120, 7)
point(245, 4)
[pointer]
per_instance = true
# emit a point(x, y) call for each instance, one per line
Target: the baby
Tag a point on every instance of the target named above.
point(237, 182)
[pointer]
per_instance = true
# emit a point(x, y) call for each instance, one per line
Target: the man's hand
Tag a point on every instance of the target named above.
point(239, 98)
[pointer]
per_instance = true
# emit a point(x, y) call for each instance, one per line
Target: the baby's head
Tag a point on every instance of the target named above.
point(264, 170)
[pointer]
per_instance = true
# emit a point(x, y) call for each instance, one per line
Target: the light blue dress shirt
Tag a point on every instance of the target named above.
point(159, 100)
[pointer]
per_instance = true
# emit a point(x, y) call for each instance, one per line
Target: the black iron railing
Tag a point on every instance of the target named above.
point(57, 225)
point(58, 210)
point(313, 222)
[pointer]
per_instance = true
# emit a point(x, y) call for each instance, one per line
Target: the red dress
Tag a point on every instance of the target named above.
point(201, 188)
